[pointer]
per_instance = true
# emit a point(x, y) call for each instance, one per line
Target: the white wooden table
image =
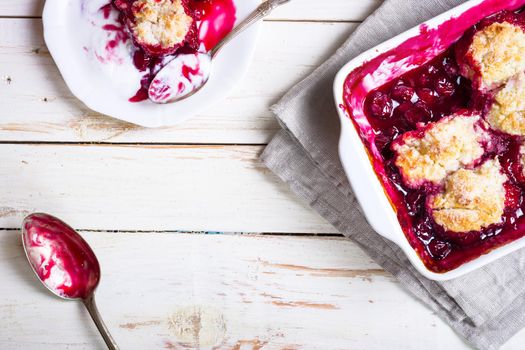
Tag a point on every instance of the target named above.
point(278, 277)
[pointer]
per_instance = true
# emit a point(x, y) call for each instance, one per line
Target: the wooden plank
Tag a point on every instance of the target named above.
point(21, 8)
point(335, 10)
point(192, 188)
point(223, 292)
point(37, 106)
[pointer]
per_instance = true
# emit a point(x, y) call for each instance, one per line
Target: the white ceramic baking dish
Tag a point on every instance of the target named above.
point(354, 157)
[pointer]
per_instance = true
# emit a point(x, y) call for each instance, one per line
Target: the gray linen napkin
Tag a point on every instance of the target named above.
point(487, 306)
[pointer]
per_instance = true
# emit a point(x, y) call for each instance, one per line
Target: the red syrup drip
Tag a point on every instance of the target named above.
point(180, 87)
point(141, 95)
point(384, 105)
point(68, 251)
point(188, 71)
point(214, 18)
point(120, 37)
point(162, 91)
point(106, 10)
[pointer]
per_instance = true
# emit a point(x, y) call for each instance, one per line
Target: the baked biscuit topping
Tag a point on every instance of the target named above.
point(495, 55)
point(159, 26)
point(507, 113)
point(441, 148)
point(472, 199)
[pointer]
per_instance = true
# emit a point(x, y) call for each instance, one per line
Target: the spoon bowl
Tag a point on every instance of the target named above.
point(182, 77)
point(65, 263)
point(60, 257)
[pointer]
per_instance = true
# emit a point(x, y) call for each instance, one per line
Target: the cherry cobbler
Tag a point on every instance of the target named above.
point(155, 32)
point(447, 141)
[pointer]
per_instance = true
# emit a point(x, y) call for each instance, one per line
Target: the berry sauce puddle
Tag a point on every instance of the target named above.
point(427, 87)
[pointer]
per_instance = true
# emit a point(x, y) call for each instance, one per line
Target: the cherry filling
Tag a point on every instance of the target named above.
point(213, 19)
point(423, 95)
point(427, 94)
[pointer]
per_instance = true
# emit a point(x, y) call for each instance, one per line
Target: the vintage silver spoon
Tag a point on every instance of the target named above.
point(64, 263)
point(173, 82)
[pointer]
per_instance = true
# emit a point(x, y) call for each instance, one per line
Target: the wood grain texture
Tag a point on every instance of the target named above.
point(224, 292)
point(181, 291)
point(37, 105)
point(202, 188)
point(311, 10)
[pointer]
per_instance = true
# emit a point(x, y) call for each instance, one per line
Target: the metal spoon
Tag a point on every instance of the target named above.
point(64, 263)
point(173, 82)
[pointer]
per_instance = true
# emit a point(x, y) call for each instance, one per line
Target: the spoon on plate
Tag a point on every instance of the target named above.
point(188, 73)
point(64, 263)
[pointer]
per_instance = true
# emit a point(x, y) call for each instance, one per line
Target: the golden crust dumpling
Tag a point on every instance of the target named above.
point(472, 199)
point(158, 26)
point(507, 112)
point(161, 22)
point(440, 148)
point(495, 55)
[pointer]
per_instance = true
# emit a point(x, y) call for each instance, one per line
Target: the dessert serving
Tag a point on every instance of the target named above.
point(442, 118)
point(155, 32)
point(110, 51)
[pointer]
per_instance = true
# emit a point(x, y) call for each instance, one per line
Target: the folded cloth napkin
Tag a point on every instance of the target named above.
point(487, 306)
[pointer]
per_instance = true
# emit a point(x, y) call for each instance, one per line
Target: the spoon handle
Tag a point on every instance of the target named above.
point(260, 12)
point(91, 306)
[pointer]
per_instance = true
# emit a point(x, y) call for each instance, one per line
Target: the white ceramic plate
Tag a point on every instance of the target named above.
point(365, 183)
point(72, 38)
